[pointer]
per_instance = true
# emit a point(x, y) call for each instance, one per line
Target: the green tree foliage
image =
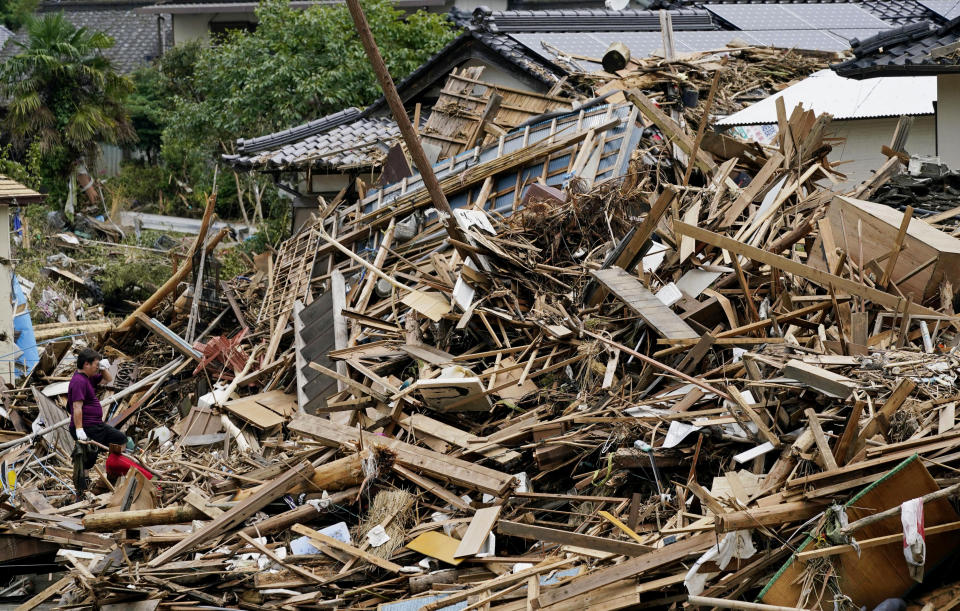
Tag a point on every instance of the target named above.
point(63, 95)
point(14, 13)
point(296, 66)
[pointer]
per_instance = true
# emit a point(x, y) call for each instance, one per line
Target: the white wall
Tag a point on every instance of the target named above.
point(864, 137)
point(948, 119)
point(495, 75)
point(8, 349)
point(187, 27)
point(469, 5)
point(190, 27)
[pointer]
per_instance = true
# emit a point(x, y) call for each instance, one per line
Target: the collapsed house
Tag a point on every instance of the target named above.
point(541, 53)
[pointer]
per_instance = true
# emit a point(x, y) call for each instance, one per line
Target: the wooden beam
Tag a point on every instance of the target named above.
point(771, 515)
point(290, 566)
point(820, 439)
point(756, 186)
point(564, 537)
point(416, 459)
point(740, 401)
point(239, 513)
point(817, 276)
point(819, 378)
point(645, 304)
point(626, 570)
point(323, 539)
point(881, 421)
point(833, 550)
point(674, 132)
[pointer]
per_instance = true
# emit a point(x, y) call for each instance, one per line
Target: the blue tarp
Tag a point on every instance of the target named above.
point(23, 331)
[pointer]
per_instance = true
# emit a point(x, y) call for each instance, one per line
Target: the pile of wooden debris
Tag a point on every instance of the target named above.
point(637, 367)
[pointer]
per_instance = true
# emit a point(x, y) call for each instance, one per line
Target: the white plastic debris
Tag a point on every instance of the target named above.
point(677, 432)
point(914, 545)
point(302, 546)
point(338, 531)
point(377, 536)
point(736, 544)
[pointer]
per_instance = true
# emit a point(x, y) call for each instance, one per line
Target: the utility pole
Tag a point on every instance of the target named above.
point(406, 128)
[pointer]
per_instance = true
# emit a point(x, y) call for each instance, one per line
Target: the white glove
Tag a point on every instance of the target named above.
point(104, 364)
point(81, 435)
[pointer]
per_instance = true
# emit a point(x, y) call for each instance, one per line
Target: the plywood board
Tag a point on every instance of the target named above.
point(880, 572)
point(250, 411)
point(645, 304)
point(437, 545)
point(441, 393)
point(513, 392)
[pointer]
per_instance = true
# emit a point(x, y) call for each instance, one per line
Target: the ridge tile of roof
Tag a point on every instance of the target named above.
point(914, 50)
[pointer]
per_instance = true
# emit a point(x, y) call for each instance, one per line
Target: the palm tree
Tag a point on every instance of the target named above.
point(63, 96)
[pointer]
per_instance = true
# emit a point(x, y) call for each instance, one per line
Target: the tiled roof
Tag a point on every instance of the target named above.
point(318, 126)
point(135, 35)
point(360, 142)
point(912, 50)
point(898, 12)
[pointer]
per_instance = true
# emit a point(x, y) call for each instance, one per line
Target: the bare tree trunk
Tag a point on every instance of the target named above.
point(243, 209)
point(258, 198)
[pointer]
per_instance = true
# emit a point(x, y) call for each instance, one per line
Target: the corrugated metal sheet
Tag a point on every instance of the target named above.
point(845, 98)
point(108, 163)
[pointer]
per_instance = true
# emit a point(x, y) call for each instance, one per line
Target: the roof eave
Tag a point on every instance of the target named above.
point(250, 7)
point(863, 73)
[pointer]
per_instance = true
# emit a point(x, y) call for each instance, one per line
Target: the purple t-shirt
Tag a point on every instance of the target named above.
point(84, 389)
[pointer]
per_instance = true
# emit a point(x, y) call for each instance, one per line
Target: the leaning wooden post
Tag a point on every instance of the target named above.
point(406, 128)
point(180, 274)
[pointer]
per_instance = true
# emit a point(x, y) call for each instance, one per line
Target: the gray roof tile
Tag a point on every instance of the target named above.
point(363, 142)
point(904, 51)
point(135, 35)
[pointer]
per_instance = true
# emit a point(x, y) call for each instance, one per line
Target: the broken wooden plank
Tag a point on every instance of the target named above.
point(480, 526)
point(563, 537)
point(264, 495)
point(300, 529)
point(793, 267)
point(431, 463)
point(645, 304)
point(825, 381)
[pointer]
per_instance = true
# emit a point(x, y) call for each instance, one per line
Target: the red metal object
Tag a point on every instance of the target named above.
point(223, 350)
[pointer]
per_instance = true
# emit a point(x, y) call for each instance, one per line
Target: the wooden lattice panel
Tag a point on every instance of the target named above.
point(291, 275)
point(461, 103)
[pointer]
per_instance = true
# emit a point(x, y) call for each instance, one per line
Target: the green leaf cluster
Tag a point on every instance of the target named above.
point(63, 96)
point(14, 13)
point(296, 66)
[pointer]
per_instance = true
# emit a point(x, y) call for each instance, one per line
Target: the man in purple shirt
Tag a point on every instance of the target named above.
point(86, 413)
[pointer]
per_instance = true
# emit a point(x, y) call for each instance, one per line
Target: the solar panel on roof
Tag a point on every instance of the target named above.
point(797, 16)
point(948, 9)
point(645, 44)
point(813, 40)
point(758, 16)
point(844, 16)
